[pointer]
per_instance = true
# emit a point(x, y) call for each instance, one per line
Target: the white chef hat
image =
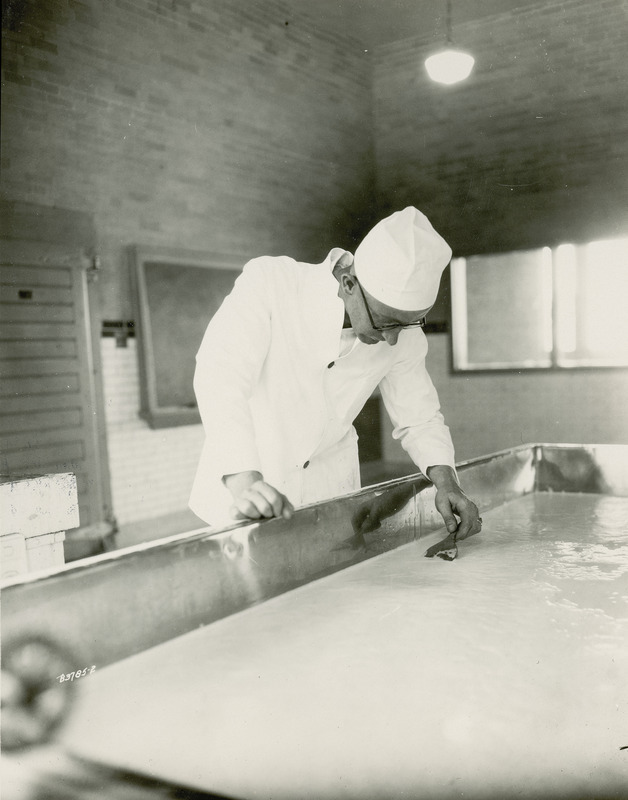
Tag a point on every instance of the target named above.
point(401, 260)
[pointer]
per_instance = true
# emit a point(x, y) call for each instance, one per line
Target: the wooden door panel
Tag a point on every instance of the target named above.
point(15, 405)
point(38, 348)
point(36, 313)
point(48, 374)
point(30, 367)
point(25, 331)
point(43, 420)
point(44, 459)
point(27, 292)
point(25, 276)
point(17, 387)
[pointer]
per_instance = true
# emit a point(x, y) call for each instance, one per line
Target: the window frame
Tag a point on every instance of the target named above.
point(460, 363)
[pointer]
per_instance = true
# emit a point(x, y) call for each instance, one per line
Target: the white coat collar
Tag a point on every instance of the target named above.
point(324, 311)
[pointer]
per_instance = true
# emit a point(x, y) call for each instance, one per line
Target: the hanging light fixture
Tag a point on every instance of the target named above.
point(450, 65)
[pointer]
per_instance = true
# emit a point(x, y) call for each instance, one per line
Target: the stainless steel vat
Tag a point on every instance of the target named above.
point(109, 607)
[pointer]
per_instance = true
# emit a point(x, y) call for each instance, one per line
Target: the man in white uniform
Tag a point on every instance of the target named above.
point(292, 355)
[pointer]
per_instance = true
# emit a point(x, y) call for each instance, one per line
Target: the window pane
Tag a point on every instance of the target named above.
point(502, 310)
point(592, 304)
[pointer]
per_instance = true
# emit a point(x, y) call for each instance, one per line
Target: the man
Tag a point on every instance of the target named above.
point(292, 355)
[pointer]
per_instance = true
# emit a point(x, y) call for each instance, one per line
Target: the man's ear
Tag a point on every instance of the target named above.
point(348, 282)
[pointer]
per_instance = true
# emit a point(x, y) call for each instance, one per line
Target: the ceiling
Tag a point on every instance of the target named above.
point(376, 22)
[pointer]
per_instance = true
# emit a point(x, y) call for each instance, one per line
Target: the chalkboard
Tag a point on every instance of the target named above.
point(176, 293)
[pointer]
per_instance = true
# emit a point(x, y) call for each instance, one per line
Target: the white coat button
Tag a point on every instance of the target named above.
point(306, 465)
point(331, 364)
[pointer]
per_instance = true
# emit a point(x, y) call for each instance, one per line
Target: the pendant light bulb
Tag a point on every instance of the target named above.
point(450, 65)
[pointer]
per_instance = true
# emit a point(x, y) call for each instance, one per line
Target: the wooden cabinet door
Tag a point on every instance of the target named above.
point(51, 410)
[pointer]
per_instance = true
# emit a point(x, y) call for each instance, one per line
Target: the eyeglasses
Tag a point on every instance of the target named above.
point(393, 326)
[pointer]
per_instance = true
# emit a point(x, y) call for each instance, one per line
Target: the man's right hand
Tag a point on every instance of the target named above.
point(254, 498)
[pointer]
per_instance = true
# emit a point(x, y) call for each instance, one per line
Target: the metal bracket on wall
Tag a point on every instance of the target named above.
point(119, 329)
point(93, 268)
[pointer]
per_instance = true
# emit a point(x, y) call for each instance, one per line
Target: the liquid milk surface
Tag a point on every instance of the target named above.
point(503, 673)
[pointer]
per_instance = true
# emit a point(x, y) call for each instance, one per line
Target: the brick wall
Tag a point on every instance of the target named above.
point(235, 125)
point(222, 125)
point(532, 149)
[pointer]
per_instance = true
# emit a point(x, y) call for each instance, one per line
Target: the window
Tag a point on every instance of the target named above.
point(547, 308)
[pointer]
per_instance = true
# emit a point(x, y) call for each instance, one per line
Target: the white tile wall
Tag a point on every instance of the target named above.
point(151, 470)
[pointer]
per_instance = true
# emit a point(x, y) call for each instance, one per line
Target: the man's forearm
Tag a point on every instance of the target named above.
point(443, 476)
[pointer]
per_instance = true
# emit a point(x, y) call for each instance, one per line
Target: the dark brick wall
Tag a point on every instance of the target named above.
point(532, 149)
point(222, 125)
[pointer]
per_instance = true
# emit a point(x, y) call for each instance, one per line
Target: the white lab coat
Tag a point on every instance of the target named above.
point(270, 401)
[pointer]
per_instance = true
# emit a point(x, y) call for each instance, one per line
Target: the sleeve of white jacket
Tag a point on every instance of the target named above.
point(412, 403)
point(228, 366)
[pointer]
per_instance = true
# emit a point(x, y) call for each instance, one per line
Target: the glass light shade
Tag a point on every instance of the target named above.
point(449, 66)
